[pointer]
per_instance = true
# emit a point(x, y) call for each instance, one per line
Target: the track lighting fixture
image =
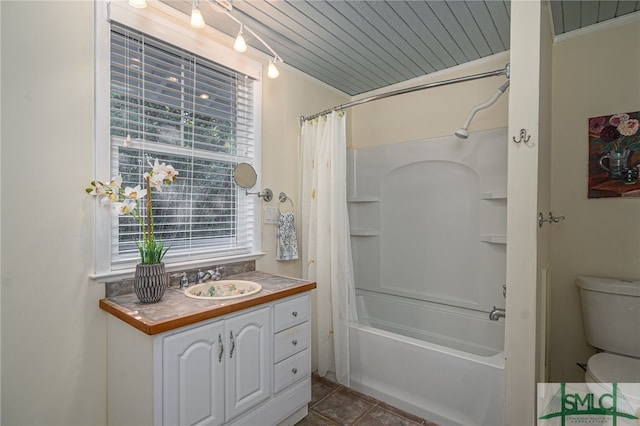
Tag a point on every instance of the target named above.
point(240, 45)
point(272, 71)
point(197, 21)
point(140, 4)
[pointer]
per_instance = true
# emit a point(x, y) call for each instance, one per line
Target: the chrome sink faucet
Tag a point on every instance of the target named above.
point(497, 313)
point(214, 275)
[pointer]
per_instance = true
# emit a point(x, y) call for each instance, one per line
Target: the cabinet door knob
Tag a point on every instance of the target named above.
point(294, 370)
point(233, 344)
point(294, 342)
point(294, 313)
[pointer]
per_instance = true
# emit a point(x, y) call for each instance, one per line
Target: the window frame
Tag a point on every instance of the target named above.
point(171, 26)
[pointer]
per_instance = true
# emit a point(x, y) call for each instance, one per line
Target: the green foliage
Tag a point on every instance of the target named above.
point(151, 251)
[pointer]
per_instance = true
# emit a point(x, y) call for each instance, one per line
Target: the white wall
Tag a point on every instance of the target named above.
point(285, 100)
point(433, 112)
point(0, 221)
point(528, 191)
point(594, 74)
point(53, 333)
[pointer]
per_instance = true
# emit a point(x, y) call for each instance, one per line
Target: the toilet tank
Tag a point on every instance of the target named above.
point(611, 314)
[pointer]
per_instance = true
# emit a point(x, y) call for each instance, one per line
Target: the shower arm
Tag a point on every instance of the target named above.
point(487, 104)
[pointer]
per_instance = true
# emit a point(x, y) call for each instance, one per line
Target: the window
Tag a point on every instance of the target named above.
point(200, 117)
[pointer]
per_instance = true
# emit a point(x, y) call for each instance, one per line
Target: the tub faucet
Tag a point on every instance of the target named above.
point(497, 313)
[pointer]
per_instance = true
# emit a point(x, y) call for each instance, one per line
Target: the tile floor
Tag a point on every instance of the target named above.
point(333, 404)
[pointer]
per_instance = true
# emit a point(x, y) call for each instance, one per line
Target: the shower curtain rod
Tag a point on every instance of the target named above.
point(503, 71)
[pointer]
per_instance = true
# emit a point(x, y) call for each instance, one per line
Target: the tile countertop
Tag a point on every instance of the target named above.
point(177, 310)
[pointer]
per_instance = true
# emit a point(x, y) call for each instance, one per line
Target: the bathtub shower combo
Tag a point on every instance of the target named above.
point(428, 233)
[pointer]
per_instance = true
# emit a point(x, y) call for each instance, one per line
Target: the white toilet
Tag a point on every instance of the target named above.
point(611, 315)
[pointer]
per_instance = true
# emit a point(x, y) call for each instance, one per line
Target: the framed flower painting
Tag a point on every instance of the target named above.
point(614, 155)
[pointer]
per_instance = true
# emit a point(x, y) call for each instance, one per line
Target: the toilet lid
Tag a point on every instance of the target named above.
point(610, 368)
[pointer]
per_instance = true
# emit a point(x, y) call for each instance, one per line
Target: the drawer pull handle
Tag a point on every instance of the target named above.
point(294, 313)
point(294, 342)
point(294, 370)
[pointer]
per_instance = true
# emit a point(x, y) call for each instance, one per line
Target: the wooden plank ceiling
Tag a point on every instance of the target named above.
point(357, 46)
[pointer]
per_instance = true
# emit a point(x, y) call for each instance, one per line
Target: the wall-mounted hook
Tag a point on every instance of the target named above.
point(550, 219)
point(523, 137)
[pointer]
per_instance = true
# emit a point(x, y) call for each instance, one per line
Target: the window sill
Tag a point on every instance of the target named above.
point(120, 274)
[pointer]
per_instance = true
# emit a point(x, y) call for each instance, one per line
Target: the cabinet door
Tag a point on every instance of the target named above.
point(193, 377)
point(248, 361)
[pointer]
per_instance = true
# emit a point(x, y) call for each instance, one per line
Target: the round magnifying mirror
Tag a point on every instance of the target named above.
point(245, 175)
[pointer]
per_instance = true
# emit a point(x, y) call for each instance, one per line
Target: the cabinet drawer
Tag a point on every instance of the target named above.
point(290, 313)
point(290, 341)
point(291, 370)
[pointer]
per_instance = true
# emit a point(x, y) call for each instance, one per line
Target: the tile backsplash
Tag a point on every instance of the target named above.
point(125, 286)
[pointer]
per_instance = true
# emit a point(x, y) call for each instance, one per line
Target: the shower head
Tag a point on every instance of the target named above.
point(462, 133)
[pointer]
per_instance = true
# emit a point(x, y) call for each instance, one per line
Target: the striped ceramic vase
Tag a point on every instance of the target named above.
point(150, 282)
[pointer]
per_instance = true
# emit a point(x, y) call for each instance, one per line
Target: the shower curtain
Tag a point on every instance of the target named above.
point(326, 257)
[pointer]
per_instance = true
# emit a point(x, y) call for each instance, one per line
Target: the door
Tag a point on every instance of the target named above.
point(193, 377)
point(528, 193)
point(248, 360)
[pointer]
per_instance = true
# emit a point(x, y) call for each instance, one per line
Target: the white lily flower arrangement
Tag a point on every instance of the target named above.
point(126, 202)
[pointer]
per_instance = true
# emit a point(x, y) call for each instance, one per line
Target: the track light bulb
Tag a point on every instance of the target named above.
point(240, 45)
point(140, 4)
point(272, 71)
point(197, 21)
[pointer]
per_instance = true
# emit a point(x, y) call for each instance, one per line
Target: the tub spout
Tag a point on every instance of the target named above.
point(497, 313)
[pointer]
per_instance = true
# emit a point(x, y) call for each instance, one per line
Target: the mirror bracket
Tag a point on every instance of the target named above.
point(267, 194)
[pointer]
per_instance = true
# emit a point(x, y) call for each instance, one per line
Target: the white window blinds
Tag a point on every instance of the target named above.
point(196, 115)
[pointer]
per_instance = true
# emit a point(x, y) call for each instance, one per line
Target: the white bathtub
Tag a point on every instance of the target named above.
point(458, 385)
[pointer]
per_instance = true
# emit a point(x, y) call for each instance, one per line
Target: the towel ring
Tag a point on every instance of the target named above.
point(283, 197)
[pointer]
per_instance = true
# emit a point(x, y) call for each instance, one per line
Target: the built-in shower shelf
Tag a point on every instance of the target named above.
point(493, 195)
point(365, 232)
point(363, 199)
point(494, 239)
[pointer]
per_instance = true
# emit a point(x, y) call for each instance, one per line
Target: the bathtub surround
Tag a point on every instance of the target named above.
point(326, 249)
point(426, 306)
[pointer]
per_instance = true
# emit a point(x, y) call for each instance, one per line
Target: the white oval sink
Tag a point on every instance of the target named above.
point(223, 289)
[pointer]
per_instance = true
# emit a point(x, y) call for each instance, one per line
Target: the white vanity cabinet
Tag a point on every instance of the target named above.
point(193, 376)
point(214, 372)
point(291, 357)
point(250, 367)
point(247, 376)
